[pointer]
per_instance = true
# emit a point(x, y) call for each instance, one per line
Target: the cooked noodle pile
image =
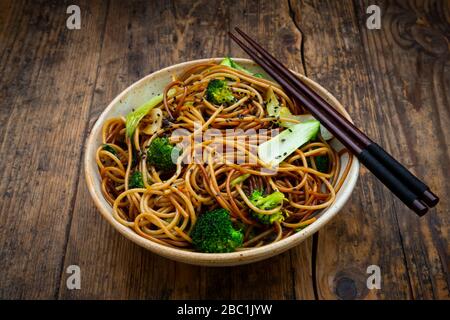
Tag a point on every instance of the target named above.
point(163, 204)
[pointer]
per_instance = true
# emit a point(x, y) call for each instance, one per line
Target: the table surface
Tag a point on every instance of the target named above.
point(54, 83)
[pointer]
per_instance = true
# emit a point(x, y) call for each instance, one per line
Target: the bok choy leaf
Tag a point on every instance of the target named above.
point(274, 109)
point(272, 104)
point(230, 63)
point(275, 150)
point(133, 118)
point(327, 135)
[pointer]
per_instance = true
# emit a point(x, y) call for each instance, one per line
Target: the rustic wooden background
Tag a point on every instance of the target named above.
point(55, 82)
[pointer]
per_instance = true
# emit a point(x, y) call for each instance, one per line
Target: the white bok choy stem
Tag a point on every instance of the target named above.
point(275, 150)
point(274, 109)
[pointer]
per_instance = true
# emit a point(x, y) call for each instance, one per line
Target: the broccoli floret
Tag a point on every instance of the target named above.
point(136, 180)
point(218, 92)
point(214, 232)
point(322, 163)
point(162, 155)
point(268, 202)
point(108, 148)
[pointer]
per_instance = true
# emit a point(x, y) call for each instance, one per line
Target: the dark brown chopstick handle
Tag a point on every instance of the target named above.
point(404, 174)
point(396, 186)
point(417, 186)
point(378, 169)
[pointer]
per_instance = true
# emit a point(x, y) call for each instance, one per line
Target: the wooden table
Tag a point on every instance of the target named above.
point(55, 82)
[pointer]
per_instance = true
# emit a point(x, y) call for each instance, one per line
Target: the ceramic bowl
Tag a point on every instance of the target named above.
point(153, 84)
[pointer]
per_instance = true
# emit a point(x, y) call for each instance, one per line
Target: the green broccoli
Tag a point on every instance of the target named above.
point(218, 92)
point(268, 202)
point(322, 163)
point(136, 180)
point(214, 232)
point(108, 148)
point(162, 155)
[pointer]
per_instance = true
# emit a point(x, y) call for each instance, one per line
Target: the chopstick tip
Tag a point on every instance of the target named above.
point(419, 207)
point(430, 198)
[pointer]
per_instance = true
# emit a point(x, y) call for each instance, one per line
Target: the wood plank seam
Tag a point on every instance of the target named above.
point(366, 63)
point(80, 162)
point(419, 269)
point(315, 239)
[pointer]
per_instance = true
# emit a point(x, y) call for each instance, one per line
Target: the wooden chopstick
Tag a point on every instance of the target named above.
point(356, 146)
point(417, 186)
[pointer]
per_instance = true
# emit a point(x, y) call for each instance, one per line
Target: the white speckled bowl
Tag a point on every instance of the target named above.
point(143, 90)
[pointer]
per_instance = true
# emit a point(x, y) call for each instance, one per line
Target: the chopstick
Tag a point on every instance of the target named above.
point(421, 189)
point(389, 171)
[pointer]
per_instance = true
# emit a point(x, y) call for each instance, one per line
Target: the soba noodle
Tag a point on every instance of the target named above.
point(164, 209)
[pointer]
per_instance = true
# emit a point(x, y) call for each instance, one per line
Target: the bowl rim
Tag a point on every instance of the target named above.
point(214, 259)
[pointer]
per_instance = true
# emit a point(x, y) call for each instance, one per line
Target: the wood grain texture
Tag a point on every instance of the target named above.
point(138, 40)
point(56, 82)
point(368, 71)
point(414, 98)
point(45, 94)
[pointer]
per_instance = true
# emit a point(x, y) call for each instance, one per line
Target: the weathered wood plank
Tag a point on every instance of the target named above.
point(412, 49)
point(394, 81)
point(373, 227)
point(45, 91)
point(347, 246)
point(286, 276)
point(139, 39)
